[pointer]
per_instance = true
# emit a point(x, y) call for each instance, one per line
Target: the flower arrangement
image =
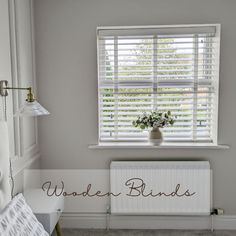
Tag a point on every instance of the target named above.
point(154, 120)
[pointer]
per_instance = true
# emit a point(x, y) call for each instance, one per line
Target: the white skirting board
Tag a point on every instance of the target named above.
point(98, 221)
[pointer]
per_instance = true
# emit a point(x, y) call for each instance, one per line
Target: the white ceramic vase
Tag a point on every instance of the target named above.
point(155, 136)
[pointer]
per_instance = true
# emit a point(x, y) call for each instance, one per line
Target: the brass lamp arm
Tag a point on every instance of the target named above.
point(29, 88)
point(4, 88)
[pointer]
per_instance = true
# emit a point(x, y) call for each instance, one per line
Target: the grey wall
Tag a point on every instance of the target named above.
point(67, 81)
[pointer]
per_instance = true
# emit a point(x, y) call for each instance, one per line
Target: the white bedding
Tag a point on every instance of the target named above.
point(17, 219)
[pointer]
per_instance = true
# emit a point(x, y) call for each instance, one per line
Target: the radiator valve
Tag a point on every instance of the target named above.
point(218, 211)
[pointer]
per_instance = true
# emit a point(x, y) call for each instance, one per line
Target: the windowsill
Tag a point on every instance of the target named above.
point(146, 145)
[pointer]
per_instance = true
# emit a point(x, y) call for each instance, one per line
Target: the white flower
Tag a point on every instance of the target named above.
point(156, 124)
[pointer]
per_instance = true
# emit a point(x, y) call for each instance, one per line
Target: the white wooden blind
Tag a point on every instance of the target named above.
point(141, 69)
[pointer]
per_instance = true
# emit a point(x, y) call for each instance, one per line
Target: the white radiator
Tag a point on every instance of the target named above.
point(160, 187)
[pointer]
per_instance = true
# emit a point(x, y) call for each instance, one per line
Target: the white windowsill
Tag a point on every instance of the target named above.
point(137, 145)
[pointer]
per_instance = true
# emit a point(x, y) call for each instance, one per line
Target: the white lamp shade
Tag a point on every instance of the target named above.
point(32, 109)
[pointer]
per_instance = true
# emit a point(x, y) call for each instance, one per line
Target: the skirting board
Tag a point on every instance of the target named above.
point(98, 221)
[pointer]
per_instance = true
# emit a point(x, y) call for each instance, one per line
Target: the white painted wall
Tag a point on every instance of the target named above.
point(17, 67)
point(5, 68)
point(67, 83)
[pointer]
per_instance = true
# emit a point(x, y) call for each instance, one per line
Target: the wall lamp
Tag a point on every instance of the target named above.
point(31, 107)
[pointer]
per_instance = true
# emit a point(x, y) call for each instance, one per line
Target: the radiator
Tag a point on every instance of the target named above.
point(160, 187)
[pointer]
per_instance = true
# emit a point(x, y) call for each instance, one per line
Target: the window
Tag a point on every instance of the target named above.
point(161, 68)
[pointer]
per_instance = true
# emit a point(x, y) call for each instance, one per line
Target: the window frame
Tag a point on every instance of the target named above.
point(216, 84)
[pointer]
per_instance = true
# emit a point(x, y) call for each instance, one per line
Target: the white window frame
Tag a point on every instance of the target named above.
point(170, 28)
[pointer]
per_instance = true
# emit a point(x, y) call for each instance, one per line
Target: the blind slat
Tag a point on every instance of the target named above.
point(156, 30)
